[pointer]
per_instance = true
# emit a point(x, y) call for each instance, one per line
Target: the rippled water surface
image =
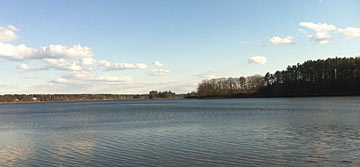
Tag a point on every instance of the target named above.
point(183, 132)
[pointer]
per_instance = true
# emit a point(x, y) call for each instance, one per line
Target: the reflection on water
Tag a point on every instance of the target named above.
point(14, 149)
point(181, 132)
point(62, 148)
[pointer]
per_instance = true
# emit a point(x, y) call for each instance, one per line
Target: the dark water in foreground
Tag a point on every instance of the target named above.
point(182, 132)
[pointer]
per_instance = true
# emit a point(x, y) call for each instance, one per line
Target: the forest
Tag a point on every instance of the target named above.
point(330, 77)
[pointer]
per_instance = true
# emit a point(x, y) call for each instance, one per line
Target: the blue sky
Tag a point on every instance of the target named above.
point(139, 45)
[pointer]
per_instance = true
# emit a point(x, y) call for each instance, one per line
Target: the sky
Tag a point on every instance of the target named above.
point(134, 46)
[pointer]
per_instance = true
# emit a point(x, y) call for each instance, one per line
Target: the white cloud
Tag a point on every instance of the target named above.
point(322, 30)
point(58, 57)
point(76, 62)
point(319, 27)
point(157, 63)
point(86, 78)
point(104, 63)
point(129, 66)
point(25, 67)
point(159, 72)
point(8, 34)
point(350, 32)
point(61, 81)
point(67, 58)
point(113, 79)
point(59, 51)
point(257, 60)
point(84, 65)
point(208, 74)
point(276, 40)
point(120, 66)
point(22, 52)
point(62, 64)
point(16, 52)
point(88, 61)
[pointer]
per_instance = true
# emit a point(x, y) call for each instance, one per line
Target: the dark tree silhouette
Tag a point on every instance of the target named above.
point(333, 76)
point(157, 95)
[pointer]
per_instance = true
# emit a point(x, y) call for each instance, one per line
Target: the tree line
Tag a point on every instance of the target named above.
point(8, 98)
point(333, 76)
point(14, 98)
point(223, 87)
point(159, 95)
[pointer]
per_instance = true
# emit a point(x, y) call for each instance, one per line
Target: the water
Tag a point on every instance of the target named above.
point(183, 132)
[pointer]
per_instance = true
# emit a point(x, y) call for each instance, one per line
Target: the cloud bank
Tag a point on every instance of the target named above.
point(59, 57)
point(76, 62)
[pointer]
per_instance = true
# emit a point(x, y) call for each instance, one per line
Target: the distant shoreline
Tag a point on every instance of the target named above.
point(48, 98)
point(182, 96)
point(25, 102)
